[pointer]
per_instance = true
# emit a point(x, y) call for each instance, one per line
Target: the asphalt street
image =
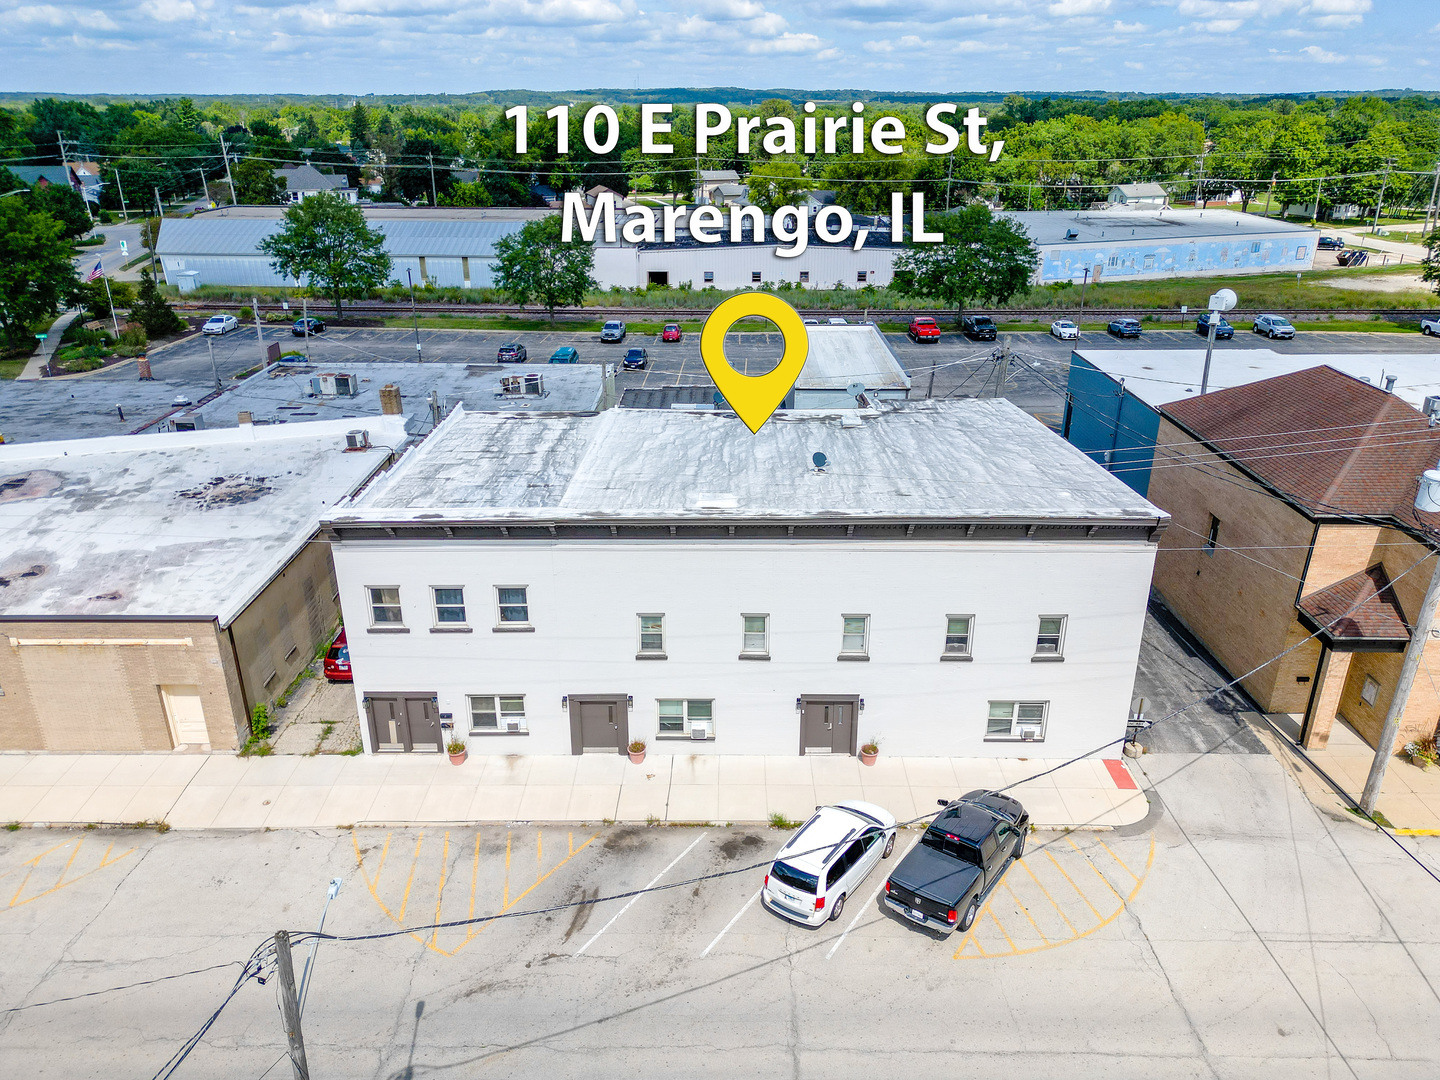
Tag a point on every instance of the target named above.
point(1035, 375)
point(1237, 932)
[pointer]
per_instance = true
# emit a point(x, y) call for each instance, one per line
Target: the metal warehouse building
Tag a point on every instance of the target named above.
point(452, 248)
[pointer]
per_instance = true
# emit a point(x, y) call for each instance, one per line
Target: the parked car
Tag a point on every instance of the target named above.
point(1125, 328)
point(826, 860)
point(1273, 326)
point(979, 327)
point(220, 324)
point(1065, 330)
point(671, 332)
point(811, 322)
point(1223, 330)
point(923, 328)
point(635, 360)
point(565, 354)
point(1430, 326)
point(307, 326)
point(1330, 243)
point(337, 660)
point(838, 320)
point(1353, 258)
point(614, 330)
point(512, 352)
point(944, 880)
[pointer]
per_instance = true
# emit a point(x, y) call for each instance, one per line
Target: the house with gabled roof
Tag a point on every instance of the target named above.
point(1295, 534)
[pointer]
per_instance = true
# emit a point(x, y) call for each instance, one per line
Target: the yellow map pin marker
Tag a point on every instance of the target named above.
point(754, 397)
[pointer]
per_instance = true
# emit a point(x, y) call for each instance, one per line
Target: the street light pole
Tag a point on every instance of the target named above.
point(1083, 282)
point(210, 343)
point(415, 315)
point(1224, 300)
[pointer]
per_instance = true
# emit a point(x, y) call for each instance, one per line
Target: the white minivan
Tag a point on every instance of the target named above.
point(826, 860)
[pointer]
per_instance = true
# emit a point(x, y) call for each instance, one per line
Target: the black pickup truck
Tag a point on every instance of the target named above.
point(945, 879)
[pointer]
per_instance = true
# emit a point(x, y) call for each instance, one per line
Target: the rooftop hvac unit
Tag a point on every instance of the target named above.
point(357, 440)
point(193, 422)
point(700, 730)
point(334, 384)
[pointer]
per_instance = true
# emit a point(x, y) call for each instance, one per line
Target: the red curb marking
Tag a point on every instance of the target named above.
point(1120, 775)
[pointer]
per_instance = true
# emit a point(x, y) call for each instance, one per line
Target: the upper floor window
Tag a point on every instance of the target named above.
point(1050, 641)
point(756, 640)
point(489, 712)
point(652, 635)
point(855, 635)
point(687, 716)
point(1213, 539)
point(957, 634)
point(385, 607)
point(449, 607)
point(514, 605)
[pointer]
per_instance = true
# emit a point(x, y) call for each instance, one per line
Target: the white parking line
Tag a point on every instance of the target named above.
point(637, 896)
point(731, 923)
point(868, 904)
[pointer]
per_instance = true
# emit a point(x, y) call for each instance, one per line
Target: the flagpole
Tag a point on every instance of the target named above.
point(115, 322)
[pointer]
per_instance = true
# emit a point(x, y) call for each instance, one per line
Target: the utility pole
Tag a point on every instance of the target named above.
point(1319, 186)
point(1414, 653)
point(210, 344)
point(1375, 229)
point(949, 169)
point(434, 198)
point(1003, 370)
point(1200, 185)
point(204, 191)
point(65, 164)
point(225, 153)
point(1270, 195)
point(1431, 208)
point(305, 322)
point(124, 214)
point(414, 315)
point(259, 334)
point(160, 216)
point(290, 1006)
point(1083, 282)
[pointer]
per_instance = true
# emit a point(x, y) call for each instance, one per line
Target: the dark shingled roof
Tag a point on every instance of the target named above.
point(1330, 443)
point(1361, 607)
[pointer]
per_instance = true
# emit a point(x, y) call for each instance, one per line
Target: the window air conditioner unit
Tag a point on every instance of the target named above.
point(357, 440)
point(512, 725)
point(1029, 732)
point(700, 730)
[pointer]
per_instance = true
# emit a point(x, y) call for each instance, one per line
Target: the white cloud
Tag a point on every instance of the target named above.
point(1320, 56)
point(1133, 66)
point(1068, 8)
point(881, 46)
point(168, 10)
point(1120, 27)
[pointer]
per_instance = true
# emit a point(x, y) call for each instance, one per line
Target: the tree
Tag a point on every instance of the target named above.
point(150, 233)
point(473, 193)
point(359, 126)
point(36, 274)
point(152, 311)
point(982, 258)
point(326, 240)
point(535, 264)
point(774, 185)
point(1430, 267)
point(63, 203)
point(257, 185)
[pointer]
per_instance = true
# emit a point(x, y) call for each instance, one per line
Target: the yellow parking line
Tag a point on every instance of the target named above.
point(1058, 909)
point(1091, 863)
point(1003, 933)
point(505, 900)
point(1120, 861)
point(1078, 893)
point(61, 882)
point(440, 888)
point(1025, 911)
point(414, 862)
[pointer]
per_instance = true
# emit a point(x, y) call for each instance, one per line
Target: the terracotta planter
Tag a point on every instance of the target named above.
point(637, 757)
point(459, 759)
point(868, 759)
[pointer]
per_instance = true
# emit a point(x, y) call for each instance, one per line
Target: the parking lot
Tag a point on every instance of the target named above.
point(113, 401)
point(1209, 940)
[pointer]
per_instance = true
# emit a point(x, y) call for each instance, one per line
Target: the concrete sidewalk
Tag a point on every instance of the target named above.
point(34, 368)
point(192, 791)
point(1409, 798)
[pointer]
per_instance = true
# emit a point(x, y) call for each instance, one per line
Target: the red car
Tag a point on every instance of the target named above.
point(337, 660)
point(671, 332)
point(923, 328)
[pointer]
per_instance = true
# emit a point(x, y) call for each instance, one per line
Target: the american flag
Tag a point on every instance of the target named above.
point(98, 272)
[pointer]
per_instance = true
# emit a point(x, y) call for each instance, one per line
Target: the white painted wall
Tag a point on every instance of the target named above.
point(584, 598)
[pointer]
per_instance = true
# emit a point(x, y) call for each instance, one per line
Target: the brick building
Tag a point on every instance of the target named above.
point(1294, 527)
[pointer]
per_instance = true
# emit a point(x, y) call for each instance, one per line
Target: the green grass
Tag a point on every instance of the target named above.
point(9, 369)
point(507, 322)
point(780, 821)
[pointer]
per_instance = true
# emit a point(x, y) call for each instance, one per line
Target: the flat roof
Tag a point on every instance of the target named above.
point(943, 460)
point(281, 393)
point(840, 355)
point(1049, 228)
point(434, 236)
point(1160, 376)
point(176, 524)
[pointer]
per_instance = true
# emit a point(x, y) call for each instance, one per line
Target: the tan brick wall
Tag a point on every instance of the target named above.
point(1340, 551)
point(107, 697)
point(281, 629)
point(1241, 604)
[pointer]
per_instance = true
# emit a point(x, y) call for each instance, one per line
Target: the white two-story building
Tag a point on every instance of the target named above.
point(948, 578)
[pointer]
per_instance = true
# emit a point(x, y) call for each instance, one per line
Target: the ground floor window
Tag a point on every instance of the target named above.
point(687, 716)
point(1017, 720)
point(494, 713)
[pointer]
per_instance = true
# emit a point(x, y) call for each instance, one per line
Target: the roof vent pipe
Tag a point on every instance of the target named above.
point(1390, 383)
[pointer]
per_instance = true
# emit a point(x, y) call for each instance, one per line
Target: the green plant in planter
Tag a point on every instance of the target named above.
point(637, 746)
point(455, 746)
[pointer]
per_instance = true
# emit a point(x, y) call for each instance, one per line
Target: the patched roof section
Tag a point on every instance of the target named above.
point(1362, 607)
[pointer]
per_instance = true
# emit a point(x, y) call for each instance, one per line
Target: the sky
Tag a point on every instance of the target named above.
point(345, 47)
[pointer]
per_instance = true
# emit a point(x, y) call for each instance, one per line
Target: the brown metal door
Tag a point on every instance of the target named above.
point(389, 730)
point(424, 724)
point(599, 728)
point(827, 727)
